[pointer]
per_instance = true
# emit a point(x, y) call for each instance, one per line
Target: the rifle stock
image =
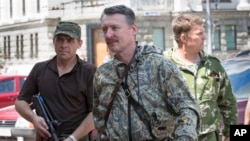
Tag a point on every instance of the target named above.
point(42, 110)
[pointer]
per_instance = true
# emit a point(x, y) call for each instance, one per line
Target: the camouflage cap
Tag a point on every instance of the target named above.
point(68, 28)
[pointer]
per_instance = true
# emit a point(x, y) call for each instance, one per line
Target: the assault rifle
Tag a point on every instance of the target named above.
point(42, 110)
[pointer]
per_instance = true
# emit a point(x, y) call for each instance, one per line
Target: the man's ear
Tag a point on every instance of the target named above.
point(183, 38)
point(80, 44)
point(135, 29)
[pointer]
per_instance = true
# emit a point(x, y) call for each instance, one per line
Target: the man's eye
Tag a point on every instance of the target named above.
point(114, 28)
point(70, 40)
point(104, 29)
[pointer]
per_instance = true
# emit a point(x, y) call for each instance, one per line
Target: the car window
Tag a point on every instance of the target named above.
point(21, 80)
point(7, 85)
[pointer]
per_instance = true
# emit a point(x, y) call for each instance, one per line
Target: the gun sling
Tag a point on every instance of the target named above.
point(142, 113)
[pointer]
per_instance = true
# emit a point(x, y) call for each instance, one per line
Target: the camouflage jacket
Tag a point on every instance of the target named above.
point(152, 80)
point(211, 88)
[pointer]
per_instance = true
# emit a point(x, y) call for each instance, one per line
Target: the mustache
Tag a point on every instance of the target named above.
point(111, 40)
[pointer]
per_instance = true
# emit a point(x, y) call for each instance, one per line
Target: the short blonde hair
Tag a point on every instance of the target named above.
point(183, 24)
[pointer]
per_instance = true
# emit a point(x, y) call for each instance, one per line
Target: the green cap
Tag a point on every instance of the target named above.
point(68, 28)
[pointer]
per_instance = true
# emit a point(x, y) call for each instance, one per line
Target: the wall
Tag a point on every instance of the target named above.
point(149, 14)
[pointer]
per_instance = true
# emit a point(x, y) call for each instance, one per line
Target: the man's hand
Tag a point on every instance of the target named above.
point(41, 127)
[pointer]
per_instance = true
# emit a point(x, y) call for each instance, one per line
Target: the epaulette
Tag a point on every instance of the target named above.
point(213, 58)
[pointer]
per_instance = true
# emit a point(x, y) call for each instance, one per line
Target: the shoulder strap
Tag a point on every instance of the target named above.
point(113, 94)
point(142, 113)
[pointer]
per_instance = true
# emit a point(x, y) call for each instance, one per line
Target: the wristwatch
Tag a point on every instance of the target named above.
point(72, 137)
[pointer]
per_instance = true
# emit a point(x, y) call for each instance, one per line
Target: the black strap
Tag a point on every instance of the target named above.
point(110, 101)
point(129, 115)
point(142, 113)
point(129, 122)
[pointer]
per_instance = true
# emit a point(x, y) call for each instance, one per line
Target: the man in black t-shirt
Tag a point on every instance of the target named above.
point(65, 82)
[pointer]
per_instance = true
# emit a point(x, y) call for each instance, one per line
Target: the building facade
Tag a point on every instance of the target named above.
point(26, 26)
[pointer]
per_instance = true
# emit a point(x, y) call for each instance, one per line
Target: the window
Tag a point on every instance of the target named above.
point(17, 47)
point(36, 45)
point(21, 45)
point(11, 10)
point(24, 10)
point(5, 47)
point(38, 6)
point(230, 37)
point(248, 30)
point(8, 48)
point(31, 46)
point(21, 80)
point(7, 85)
point(216, 38)
point(158, 38)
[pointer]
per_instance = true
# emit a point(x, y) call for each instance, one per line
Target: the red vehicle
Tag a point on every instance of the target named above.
point(14, 127)
point(10, 85)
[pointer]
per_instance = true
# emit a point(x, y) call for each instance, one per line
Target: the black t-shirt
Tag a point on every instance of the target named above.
point(68, 97)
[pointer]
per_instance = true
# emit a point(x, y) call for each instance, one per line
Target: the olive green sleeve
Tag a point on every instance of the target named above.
point(227, 104)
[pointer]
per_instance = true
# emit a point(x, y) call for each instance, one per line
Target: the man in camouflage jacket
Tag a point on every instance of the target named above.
point(205, 76)
point(153, 81)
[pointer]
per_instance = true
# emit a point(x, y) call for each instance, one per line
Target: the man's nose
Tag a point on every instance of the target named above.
point(64, 43)
point(109, 33)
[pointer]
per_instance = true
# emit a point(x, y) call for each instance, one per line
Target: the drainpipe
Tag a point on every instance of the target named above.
point(208, 26)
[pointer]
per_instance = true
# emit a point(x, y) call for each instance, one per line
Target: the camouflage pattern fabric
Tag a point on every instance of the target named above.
point(152, 79)
point(211, 88)
point(212, 136)
point(69, 28)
